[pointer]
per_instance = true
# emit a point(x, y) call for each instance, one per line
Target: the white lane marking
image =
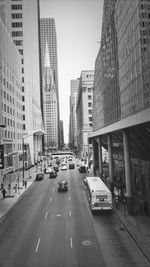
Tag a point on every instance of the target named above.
point(37, 246)
point(46, 215)
point(50, 200)
point(53, 189)
point(69, 197)
point(70, 214)
point(71, 243)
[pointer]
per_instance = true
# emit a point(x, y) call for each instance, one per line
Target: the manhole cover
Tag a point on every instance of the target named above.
point(87, 243)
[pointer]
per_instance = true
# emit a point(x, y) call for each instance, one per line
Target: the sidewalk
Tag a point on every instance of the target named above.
point(12, 195)
point(137, 226)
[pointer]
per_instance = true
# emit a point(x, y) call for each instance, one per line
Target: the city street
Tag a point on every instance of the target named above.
point(47, 228)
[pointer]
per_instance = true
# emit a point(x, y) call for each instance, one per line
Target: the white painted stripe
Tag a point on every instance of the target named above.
point(50, 200)
point(70, 214)
point(46, 215)
point(53, 189)
point(71, 243)
point(69, 197)
point(37, 246)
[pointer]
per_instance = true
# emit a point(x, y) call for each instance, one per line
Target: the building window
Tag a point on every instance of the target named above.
point(17, 33)
point(16, 7)
point(18, 42)
point(16, 15)
point(16, 24)
point(21, 51)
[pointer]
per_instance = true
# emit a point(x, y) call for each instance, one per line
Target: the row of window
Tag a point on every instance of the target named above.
point(16, 7)
point(10, 122)
point(17, 25)
point(16, 15)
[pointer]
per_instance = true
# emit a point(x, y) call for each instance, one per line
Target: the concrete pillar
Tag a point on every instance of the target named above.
point(94, 158)
point(129, 196)
point(110, 158)
point(100, 156)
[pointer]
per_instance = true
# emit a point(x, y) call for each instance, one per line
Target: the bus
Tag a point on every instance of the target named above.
point(98, 194)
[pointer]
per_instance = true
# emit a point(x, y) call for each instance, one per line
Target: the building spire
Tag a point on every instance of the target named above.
point(47, 60)
point(49, 71)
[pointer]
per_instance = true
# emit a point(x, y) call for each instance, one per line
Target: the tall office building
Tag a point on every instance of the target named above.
point(24, 27)
point(122, 81)
point(74, 85)
point(84, 107)
point(20, 84)
point(10, 99)
point(49, 106)
point(49, 41)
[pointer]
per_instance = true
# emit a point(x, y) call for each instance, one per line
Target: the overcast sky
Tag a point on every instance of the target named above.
point(78, 28)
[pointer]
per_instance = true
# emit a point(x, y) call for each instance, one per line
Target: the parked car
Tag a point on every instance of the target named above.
point(62, 186)
point(83, 169)
point(53, 174)
point(39, 177)
point(71, 166)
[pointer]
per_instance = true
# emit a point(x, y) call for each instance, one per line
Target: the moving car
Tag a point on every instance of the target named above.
point(48, 170)
point(71, 166)
point(53, 174)
point(39, 177)
point(83, 169)
point(62, 186)
point(56, 168)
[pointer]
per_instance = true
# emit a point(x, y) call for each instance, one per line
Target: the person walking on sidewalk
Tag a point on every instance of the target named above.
point(25, 183)
point(15, 187)
point(116, 197)
point(4, 192)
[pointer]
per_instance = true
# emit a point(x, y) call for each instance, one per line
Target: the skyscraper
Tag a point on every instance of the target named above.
point(121, 117)
point(84, 106)
point(49, 45)
point(24, 27)
point(74, 85)
point(49, 106)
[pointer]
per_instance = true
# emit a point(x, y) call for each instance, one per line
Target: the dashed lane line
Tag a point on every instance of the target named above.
point(71, 243)
point(46, 215)
point(37, 246)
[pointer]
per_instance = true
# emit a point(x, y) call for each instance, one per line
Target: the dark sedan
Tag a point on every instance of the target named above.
point(39, 177)
point(53, 174)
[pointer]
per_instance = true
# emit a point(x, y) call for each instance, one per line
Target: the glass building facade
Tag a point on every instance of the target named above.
point(121, 95)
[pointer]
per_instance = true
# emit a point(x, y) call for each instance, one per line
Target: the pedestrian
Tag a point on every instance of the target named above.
point(4, 192)
point(25, 183)
point(15, 187)
point(116, 197)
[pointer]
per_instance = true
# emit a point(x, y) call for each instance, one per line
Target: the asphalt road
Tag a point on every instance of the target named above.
point(47, 228)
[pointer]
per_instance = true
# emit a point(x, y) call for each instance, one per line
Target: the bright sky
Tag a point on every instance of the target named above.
point(78, 28)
